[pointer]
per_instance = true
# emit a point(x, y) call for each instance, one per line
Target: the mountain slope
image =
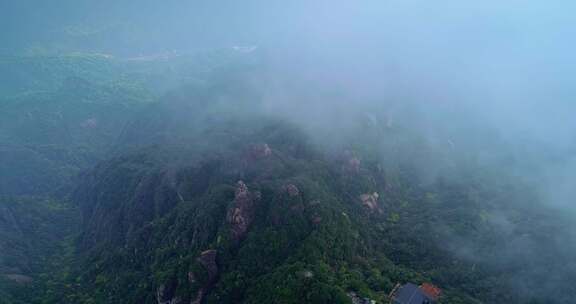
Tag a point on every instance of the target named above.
point(212, 196)
point(59, 116)
point(32, 230)
point(247, 210)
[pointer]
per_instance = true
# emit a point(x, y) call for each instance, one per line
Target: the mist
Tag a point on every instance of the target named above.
point(501, 67)
point(448, 87)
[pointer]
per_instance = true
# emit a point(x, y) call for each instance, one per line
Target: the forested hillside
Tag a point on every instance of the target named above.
point(208, 198)
point(199, 152)
point(59, 116)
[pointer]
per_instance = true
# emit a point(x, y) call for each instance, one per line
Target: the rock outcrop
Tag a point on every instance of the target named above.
point(259, 151)
point(370, 200)
point(292, 190)
point(351, 162)
point(356, 299)
point(165, 294)
point(208, 260)
point(241, 215)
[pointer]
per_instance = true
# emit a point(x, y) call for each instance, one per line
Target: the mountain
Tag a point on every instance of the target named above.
point(59, 116)
point(209, 199)
point(352, 152)
point(199, 190)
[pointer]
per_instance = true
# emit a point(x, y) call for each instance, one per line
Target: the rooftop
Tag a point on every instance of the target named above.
point(411, 294)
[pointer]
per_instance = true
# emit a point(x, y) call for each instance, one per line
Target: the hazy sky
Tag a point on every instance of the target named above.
point(510, 60)
point(508, 57)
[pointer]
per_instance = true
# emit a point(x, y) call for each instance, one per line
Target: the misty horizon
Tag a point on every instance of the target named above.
point(293, 152)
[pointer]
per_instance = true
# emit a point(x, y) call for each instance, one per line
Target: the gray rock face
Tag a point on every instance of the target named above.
point(241, 214)
point(292, 190)
point(260, 151)
point(370, 200)
point(356, 299)
point(208, 260)
point(165, 295)
point(351, 162)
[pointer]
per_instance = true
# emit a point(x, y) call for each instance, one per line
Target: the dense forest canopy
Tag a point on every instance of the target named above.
point(286, 152)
